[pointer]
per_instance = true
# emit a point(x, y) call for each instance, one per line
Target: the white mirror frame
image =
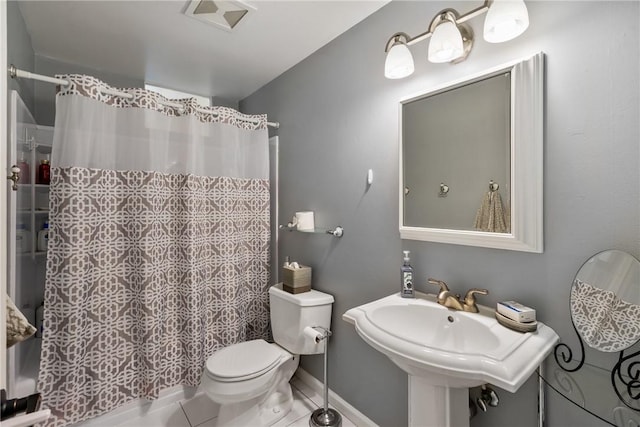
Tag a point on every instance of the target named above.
point(527, 92)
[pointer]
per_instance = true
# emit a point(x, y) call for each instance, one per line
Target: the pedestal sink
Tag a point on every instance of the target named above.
point(445, 352)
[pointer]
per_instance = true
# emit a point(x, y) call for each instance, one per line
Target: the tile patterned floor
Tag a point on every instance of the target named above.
point(200, 411)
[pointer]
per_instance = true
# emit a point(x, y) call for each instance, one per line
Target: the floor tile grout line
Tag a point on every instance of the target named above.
point(185, 414)
point(206, 421)
point(307, 396)
point(189, 421)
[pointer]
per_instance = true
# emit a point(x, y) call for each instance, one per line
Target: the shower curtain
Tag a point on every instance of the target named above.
point(158, 246)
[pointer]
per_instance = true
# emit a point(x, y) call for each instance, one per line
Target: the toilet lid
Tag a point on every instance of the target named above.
point(243, 361)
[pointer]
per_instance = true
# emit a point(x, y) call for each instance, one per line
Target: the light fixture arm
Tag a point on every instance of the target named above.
point(458, 20)
point(475, 12)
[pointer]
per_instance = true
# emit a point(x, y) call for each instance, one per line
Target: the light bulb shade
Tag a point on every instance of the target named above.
point(399, 62)
point(446, 43)
point(505, 20)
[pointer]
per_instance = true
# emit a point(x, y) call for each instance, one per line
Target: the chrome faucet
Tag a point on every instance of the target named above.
point(446, 298)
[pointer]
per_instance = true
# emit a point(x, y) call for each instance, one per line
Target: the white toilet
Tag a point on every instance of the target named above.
point(250, 380)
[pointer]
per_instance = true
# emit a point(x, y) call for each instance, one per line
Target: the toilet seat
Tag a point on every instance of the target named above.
point(244, 361)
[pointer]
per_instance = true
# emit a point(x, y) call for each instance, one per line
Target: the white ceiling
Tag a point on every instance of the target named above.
point(156, 42)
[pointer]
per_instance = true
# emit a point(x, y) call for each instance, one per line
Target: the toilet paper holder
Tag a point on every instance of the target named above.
point(325, 416)
point(325, 333)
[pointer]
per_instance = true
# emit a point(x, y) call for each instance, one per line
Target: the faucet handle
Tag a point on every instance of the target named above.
point(470, 299)
point(443, 286)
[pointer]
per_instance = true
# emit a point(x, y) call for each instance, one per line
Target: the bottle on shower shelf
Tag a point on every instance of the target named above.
point(43, 237)
point(23, 238)
point(44, 172)
point(25, 175)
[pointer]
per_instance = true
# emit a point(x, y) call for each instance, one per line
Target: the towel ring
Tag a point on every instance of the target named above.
point(493, 186)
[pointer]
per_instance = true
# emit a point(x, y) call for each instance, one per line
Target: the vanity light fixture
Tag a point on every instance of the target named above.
point(451, 40)
point(505, 20)
point(399, 62)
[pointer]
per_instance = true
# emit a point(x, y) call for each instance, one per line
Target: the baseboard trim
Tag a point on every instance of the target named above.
point(335, 400)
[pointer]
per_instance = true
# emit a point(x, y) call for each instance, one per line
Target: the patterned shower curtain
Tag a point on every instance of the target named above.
point(159, 245)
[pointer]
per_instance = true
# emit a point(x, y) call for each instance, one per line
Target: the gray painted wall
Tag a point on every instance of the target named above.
point(339, 117)
point(19, 53)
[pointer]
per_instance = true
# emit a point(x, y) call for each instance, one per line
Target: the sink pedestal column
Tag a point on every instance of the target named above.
point(436, 406)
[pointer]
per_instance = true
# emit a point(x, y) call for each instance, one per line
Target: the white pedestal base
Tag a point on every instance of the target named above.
point(435, 406)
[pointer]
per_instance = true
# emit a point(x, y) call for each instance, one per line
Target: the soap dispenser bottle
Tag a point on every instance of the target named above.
point(406, 284)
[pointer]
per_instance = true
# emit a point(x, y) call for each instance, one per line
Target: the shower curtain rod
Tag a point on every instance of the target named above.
point(14, 72)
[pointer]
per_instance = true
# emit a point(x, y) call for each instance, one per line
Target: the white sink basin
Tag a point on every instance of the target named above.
point(450, 348)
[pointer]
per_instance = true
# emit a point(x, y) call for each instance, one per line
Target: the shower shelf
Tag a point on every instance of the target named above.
point(335, 232)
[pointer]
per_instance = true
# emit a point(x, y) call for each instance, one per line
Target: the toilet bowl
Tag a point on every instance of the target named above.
point(250, 380)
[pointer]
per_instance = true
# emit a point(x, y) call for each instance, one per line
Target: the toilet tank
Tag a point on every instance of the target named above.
point(291, 313)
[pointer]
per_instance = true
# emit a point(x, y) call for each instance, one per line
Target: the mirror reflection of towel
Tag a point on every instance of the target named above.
point(490, 215)
point(18, 327)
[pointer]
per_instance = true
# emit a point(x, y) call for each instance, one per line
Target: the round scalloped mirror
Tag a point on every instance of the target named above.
point(605, 301)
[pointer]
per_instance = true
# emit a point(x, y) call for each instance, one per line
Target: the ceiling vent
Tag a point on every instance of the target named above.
point(224, 14)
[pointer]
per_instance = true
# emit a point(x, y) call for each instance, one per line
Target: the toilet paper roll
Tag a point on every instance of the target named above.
point(304, 221)
point(312, 334)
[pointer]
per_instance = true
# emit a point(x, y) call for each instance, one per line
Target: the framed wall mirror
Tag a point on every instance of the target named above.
point(471, 160)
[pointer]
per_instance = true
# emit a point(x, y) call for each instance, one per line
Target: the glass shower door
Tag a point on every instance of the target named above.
point(27, 214)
